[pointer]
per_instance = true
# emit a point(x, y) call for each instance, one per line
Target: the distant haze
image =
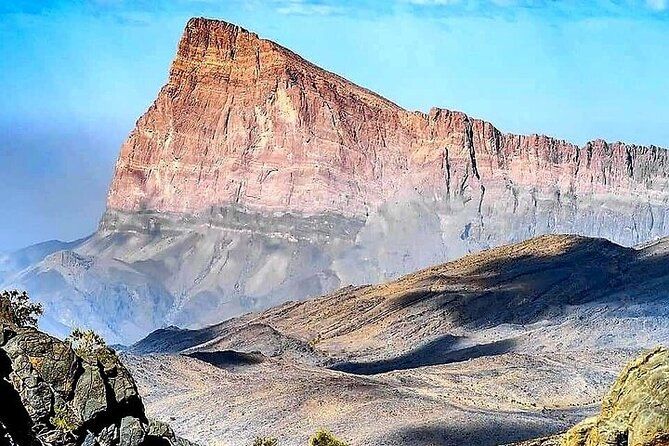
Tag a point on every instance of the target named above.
point(77, 77)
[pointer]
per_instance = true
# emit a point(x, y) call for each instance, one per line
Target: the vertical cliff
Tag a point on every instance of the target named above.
point(245, 121)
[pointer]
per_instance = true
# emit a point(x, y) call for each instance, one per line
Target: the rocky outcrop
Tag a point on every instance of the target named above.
point(52, 395)
point(636, 410)
point(634, 413)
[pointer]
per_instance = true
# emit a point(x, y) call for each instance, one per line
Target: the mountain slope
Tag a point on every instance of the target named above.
point(540, 293)
point(504, 345)
point(257, 177)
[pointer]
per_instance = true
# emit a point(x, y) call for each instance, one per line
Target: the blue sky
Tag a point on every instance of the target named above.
point(77, 74)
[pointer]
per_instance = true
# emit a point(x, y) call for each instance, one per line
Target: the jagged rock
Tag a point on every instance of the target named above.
point(90, 395)
point(636, 410)
point(89, 440)
point(52, 395)
point(132, 432)
point(121, 383)
point(159, 429)
point(48, 358)
point(108, 436)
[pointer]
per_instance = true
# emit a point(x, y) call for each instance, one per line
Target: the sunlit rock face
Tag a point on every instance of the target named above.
point(245, 121)
point(257, 177)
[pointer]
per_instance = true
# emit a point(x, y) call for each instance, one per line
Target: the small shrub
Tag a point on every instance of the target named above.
point(265, 441)
point(315, 341)
point(16, 308)
point(64, 420)
point(90, 345)
point(85, 341)
point(325, 438)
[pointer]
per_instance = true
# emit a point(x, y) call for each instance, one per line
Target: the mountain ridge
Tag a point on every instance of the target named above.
point(506, 293)
point(256, 177)
point(309, 121)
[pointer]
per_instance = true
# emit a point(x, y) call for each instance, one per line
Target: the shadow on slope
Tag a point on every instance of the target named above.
point(489, 434)
point(539, 279)
point(439, 351)
point(228, 359)
point(523, 283)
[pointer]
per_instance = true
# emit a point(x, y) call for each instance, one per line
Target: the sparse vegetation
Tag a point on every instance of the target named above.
point(85, 341)
point(89, 344)
point(16, 307)
point(325, 438)
point(63, 419)
point(315, 341)
point(265, 441)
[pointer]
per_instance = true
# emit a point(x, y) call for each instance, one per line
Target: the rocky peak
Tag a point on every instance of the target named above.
point(245, 121)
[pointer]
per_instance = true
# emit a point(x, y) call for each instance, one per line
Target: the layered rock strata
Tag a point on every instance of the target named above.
point(257, 177)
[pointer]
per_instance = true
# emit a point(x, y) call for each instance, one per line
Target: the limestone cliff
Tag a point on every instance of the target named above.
point(256, 177)
point(245, 121)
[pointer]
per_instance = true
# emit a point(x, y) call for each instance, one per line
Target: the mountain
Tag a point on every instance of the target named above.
point(515, 342)
point(257, 177)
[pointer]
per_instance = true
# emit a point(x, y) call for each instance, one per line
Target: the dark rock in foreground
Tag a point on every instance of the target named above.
point(52, 395)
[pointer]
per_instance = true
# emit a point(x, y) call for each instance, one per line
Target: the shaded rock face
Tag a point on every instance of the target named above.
point(52, 395)
point(256, 177)
point(636, 410)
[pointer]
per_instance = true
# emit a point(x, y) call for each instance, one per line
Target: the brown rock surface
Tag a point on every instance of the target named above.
point(636, 410)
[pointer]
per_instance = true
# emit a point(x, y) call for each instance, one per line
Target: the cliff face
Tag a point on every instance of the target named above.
point(245, 121)
point(257, 177)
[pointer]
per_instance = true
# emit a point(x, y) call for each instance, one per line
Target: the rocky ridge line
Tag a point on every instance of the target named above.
point(244, 121)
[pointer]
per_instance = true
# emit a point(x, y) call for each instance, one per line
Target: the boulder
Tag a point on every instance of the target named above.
point(51, 394)
point(132, 432)
point(90, 396)
point(636, 410)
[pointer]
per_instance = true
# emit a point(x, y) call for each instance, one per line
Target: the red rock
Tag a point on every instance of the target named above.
point(244, 120)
